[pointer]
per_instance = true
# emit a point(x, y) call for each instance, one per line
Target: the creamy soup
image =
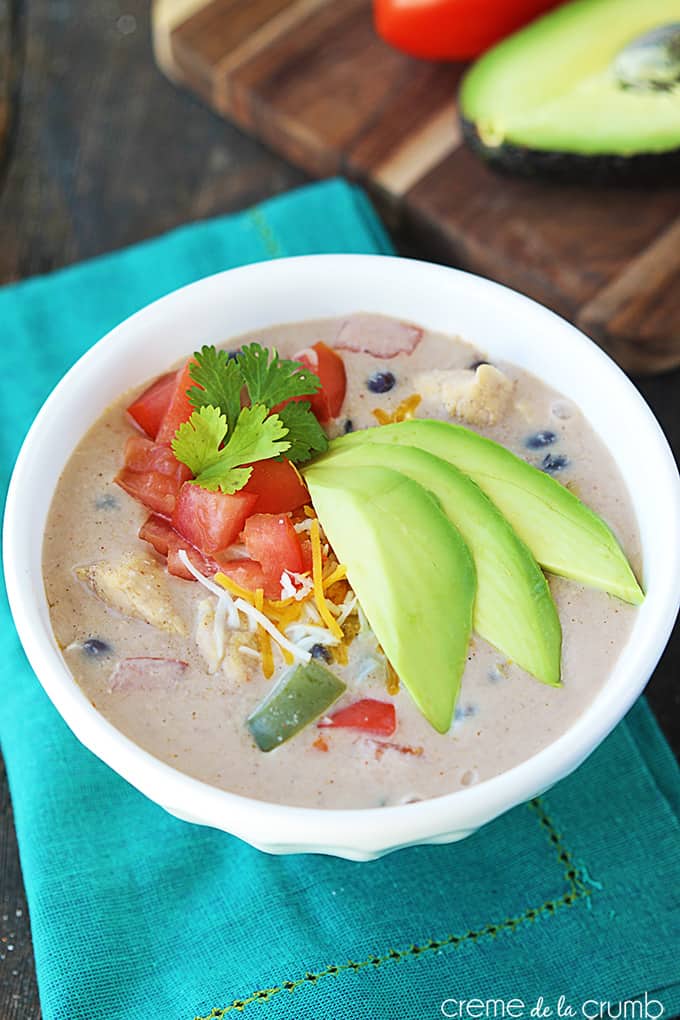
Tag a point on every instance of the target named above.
point(181, 683)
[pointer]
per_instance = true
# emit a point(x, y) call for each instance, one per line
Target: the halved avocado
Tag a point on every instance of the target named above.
point(564, 535)
point(514, 609)
point(411, 571)
point(590, 90)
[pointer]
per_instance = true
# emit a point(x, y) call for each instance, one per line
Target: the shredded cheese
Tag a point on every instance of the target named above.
point(289, 580)
point(305, 635)
point(257, 618)
point(338, 574)
point(402, 412)
point(286, 616)
point(294, 587)
point(257, 611)
point(288, 589)
point(247, 650)
point(232, 586)
point(232, 614)
point(280, 619)
point(349, 607)
point(317, 577)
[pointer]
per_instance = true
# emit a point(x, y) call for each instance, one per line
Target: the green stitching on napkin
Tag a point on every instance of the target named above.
point(269, 238)
point(577, 888)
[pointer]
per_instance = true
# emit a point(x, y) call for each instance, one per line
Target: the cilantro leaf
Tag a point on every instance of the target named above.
point(270, 379)
point(219, 383)
point(305, 435)
point(197, 442)
point(255, 436)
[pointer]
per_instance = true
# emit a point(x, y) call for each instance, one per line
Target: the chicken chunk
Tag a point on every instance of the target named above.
point(210, 644)
point(221, 647)
point(479, 397)
point(135, 587)
point(237, 664)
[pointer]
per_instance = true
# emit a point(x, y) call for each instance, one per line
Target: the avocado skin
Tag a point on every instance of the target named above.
point(575, 168)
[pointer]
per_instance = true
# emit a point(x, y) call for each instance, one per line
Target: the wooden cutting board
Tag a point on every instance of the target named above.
point(311, 79)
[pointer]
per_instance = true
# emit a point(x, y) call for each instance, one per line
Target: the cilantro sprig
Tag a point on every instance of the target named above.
point(305, 435)
point(199, 443)
point(222, 434)
point(271, 379)
point(218, 383)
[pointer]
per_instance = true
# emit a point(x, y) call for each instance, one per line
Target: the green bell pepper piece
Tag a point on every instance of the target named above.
point(302, 697)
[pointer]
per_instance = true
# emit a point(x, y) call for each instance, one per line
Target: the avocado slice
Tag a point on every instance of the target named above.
point(514, 610)
point(412, 574)
point(590, 90)
point(564, 535)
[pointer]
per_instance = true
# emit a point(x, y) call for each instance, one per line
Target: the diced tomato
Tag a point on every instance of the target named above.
point(278, 487)
point(272, 540)
point(157, 532)
point(247, 573)
point(152, 474)
point(306, 548)
point(165, 540)
point(202, 563)
point(328, 365)
point(369, 715)
point(143, 455)
point(211, 521)
point(147, 674)
point(383, 338)
point(330, 368)
point(149, 409)
point(155, 491)
point(179, 409)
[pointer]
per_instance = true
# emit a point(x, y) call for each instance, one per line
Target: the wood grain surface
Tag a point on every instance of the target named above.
point(96, 161)
point(313, 81)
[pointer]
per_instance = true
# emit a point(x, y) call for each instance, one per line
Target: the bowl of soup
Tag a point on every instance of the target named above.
point(342, 554)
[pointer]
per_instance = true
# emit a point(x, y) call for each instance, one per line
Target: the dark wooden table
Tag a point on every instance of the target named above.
point(101, 152)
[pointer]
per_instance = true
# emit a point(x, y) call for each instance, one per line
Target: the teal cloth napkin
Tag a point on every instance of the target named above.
point(137, 915)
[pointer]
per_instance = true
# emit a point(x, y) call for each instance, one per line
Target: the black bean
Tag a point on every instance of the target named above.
point(321, 652)
point(381, 382)
point(540, 439)
point(348, 426)
point(95, 647)
point(552, 464)
point(465, 711)
point(106, 502)
point(233, 354)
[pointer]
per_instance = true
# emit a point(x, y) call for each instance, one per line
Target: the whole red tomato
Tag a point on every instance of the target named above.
point(451, 29)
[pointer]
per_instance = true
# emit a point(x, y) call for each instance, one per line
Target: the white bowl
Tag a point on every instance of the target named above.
point(497, 320)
